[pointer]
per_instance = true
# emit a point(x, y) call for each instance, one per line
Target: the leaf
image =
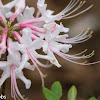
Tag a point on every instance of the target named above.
point(72, 93)
point(57, 89)
point(92, 98)
point(49, 95)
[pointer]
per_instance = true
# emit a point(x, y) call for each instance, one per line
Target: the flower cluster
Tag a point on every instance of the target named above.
point(30, 34)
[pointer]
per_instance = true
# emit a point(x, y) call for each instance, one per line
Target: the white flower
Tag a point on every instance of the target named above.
point(60, 44)
point(31, 34)
point(27, 48)
point(13, 60)
point(50, 40)
point(5, 9)
point(64, 14)
point(27, 14)
point(31, 46)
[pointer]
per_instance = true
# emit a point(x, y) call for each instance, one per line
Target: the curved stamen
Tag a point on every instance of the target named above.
point(15, 91)
point(80, 52)
point(33, 60)
point(80, 57)
point(69, 6)
point(82, 37)
point(61, 55)
point(78, 13)
point(79, 6)
point(41, 64)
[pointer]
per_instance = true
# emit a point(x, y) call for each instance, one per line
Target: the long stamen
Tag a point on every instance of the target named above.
point(70, 6)
point(15, 91)
point(41, 74)
point(79, 6)
point(78, 13)
point(78, 57)
point(81, 52)
point(67, 10)
point(42, 65)
point(82, 37)
point(61, 55)
point(13, 94)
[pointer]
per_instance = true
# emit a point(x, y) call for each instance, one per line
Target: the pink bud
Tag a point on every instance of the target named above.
point(4, 36)
point(3, 43)
point(18, 37)
point(0, 37)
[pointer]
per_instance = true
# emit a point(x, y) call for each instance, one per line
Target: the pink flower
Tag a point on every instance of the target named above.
point(33, 33)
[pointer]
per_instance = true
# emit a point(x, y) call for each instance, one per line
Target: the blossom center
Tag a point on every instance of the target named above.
point(11, 28)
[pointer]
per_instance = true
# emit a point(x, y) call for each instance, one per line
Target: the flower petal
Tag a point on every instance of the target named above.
point(23, 78)
point(27, 15)
point(26, 38)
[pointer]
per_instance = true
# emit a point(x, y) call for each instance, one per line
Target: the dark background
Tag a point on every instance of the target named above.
point(85, 78)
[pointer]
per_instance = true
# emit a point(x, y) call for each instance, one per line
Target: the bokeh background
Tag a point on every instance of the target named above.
point(85, 78)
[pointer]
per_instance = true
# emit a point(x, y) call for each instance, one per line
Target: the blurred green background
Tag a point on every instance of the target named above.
point(85, 78)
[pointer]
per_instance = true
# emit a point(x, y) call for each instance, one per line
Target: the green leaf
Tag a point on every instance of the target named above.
point(49, 95)
point(93, 98)
point(57, 89)
point(72, 93)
